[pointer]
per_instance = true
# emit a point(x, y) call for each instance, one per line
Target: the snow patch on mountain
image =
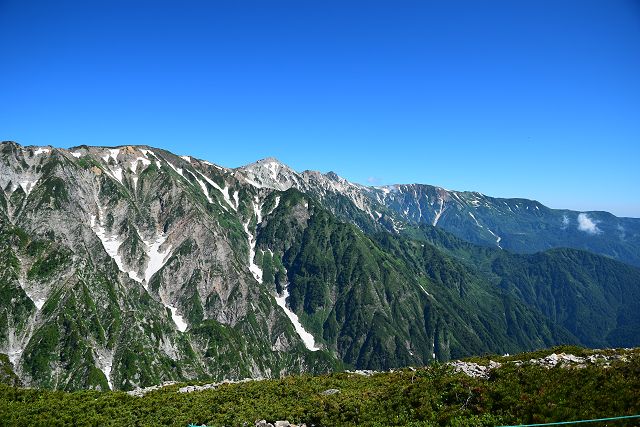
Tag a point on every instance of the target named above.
point(308, 339)
point(176, 169)
point(224, 191)
point(41, 150)
point(156, 158)
point(425, 291)
point(28, 185)
point(204, 189)
point(16, 343)
point(115, 170)
point(39, 303)
point(104, 360)
point(157, 257)
point(440, 211)
point(111, 153)
point(251, 236)
point(275, 205)
point(474, 218)
point(117, 173)
point(498, 238)
point(133, 167)
point(111, 243)
point(181, 325)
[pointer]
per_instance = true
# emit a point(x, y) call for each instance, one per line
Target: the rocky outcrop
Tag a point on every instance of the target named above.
point(553, 360)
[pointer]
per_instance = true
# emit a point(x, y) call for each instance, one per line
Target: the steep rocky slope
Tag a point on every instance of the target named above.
point(130, 266)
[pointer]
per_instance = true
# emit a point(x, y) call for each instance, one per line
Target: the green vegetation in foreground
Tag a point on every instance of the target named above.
point(431, 396)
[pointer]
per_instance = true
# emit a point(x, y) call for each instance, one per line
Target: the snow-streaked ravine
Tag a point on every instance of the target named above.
point(105, 362)
point(424, 290)
point(116, 171)
point(157, 258)
point(176, 169)
point(224, 191)
point(253, 267)
point(204, 189)
point(28, 185)
point(281, 299)
point(306, 337)
point(439, 213)
point(275, 205)
point(16, 344)
point(111, 153)
point(146, 154)
point(177, 319)
point(38, 302)
point(498, 238)
point(111, 244)
point(133, 167)
point(106, 369)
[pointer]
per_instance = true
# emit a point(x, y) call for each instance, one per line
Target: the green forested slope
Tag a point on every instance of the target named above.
point(594, 297)
point(384, 303)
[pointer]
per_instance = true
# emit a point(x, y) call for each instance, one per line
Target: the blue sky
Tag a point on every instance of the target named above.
point(536, 99)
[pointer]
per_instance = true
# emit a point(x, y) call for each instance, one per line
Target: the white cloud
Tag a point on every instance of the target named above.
point(622, 231)
point(565, 221)
point(373, 180)
point(587, 225)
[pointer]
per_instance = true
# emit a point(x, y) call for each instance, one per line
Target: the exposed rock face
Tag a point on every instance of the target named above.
point(562, 360)
point(128, 267)
point(519, 225)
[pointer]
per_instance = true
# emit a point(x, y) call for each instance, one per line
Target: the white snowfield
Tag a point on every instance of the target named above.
point(41, 150)
point(133, 167)
point(306, 337)
point(39, 303)
point(253, 267)
point(439, 213)
point(498, 238)
point(157, 258)
point(177, 319)
point(28, 185)
point(111, 244)
point(204, 189)
point(104, 361)
point(224, 191)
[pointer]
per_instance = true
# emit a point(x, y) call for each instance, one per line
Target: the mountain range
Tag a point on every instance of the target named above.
point(124, 267)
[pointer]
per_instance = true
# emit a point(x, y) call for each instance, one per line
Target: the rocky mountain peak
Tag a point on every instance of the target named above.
point(270, 173)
